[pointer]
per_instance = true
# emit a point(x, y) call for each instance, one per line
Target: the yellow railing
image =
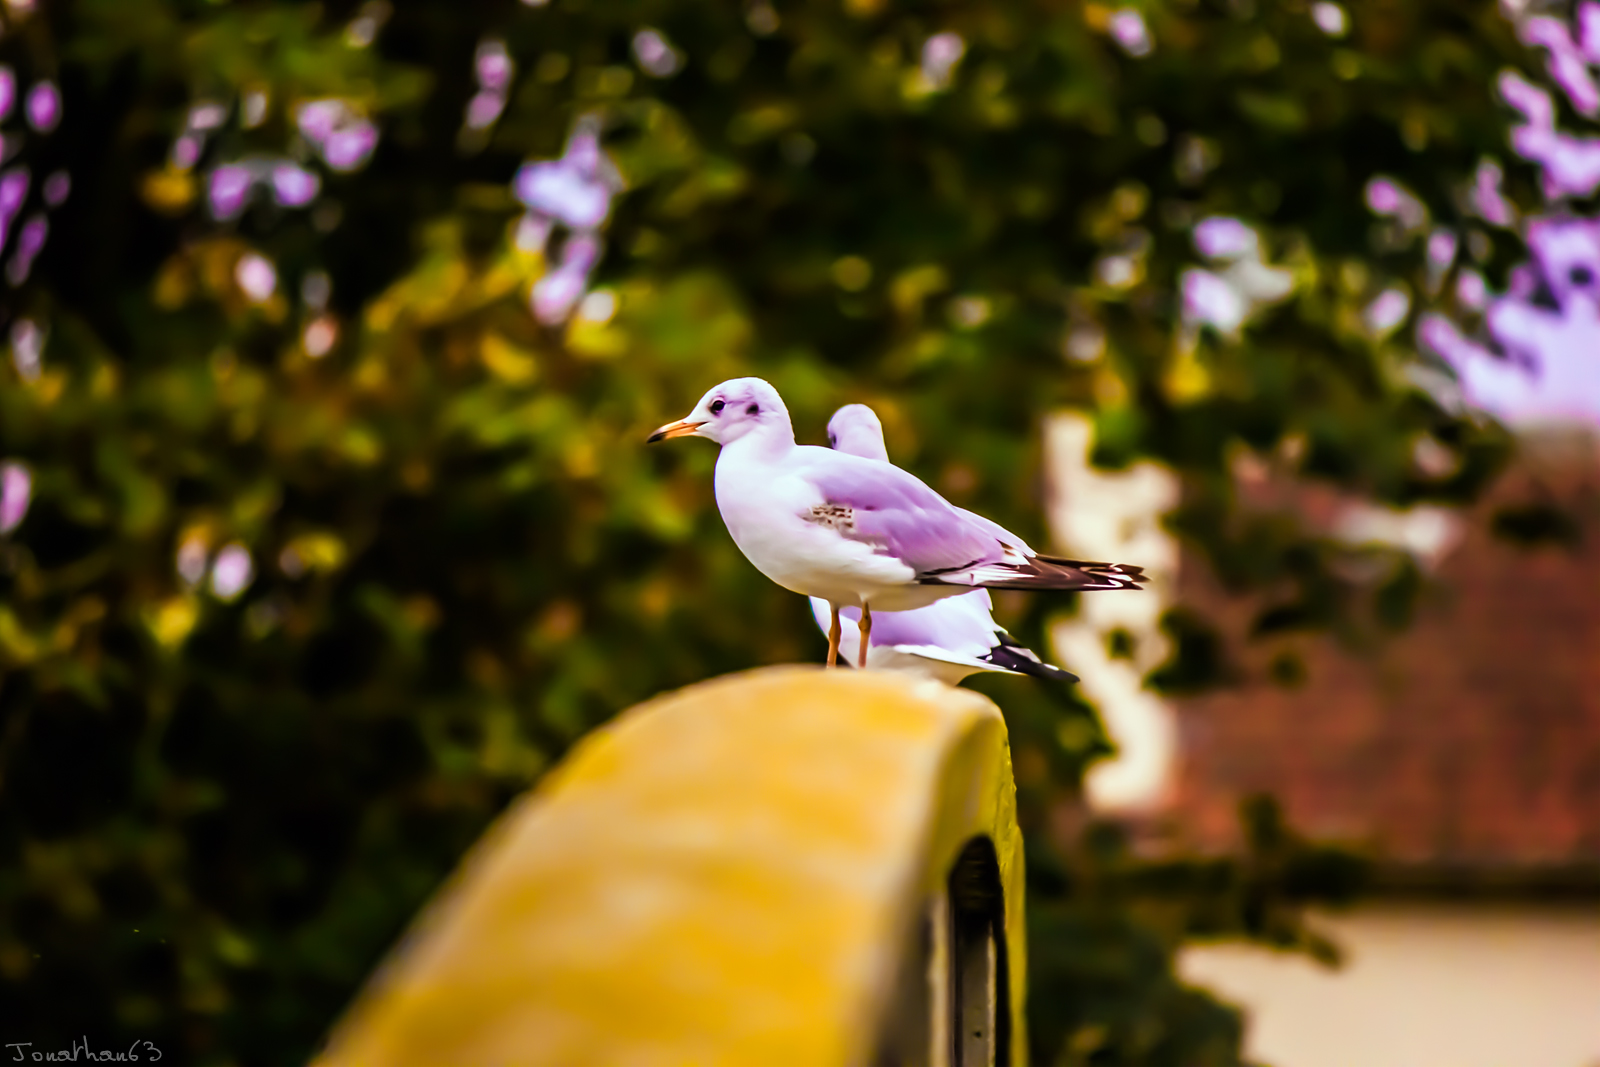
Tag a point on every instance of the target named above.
point(788, 866)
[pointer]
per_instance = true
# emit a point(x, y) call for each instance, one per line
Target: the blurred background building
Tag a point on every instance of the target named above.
point(1462, 755)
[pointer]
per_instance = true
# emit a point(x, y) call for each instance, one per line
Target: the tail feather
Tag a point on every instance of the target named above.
point(1128, 569)
point(1044, 572)
point(1021, 660)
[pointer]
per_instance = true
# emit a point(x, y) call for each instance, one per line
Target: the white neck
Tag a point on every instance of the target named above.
point(767, 442)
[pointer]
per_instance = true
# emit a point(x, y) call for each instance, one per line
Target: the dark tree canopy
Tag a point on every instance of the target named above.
point(331, 543)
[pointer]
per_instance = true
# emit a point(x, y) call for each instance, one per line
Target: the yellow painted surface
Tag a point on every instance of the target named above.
point(724, 875)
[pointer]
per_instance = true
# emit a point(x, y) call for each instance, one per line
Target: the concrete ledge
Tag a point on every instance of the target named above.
point(741, 872)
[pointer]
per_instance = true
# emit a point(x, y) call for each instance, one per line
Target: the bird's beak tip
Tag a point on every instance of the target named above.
point(681, 428)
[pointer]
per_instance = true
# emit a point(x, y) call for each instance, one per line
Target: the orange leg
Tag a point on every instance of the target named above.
point(833, 639)
point(866, 635)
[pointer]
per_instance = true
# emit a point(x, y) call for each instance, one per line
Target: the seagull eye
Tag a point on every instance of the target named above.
point(753, 409)
point(717, 406)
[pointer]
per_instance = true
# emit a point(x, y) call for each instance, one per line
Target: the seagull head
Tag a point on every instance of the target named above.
point(855, 429)
point(730, 411)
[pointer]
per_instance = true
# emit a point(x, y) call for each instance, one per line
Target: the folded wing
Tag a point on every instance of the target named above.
point(891, 510)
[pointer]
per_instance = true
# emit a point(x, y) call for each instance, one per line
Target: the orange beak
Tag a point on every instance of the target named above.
point(681, 428)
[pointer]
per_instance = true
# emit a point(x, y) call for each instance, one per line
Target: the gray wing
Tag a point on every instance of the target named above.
point(883, 506)
point(891, 510)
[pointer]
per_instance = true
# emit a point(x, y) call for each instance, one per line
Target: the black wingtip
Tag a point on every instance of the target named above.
point(1043, 572)
point(1020, 660)
point(1126, 575)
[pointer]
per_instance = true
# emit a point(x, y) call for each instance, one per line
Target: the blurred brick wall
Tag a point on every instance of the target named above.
point(1472, 739)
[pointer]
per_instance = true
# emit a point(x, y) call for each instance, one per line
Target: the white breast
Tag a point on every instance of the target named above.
point(764, 508)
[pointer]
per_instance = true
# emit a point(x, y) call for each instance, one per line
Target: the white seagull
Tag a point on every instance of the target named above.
point(947, 640)
point(857, 532)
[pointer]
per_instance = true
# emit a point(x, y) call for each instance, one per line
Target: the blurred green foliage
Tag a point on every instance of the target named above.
point(217, 811)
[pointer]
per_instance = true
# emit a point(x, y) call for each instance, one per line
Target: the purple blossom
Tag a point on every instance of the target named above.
point(1128, 29)
point(563, 191)
point(1387, 197)
point(207, 116)
point(27, 349)
point(30, 242)
point(1589, 30)
point(232, 571)
point(1567, 252)
point(556, 292)
point(1565, 64)
point(256, 276)
point(1487, 199)
point(57, 187)
point(1387, 311)
point(16, 490)
point(8, 90)
point(13, 191)
point(229, 190)
point(294, 185)
point(1472, 292)
point(583, 148)
point(1209, 299)
point(655, 56)
point(1530, 101)
point(483, 109)
point(1223, 237)
point(494, 66)
point(1440, 336)
point(344, 138)
point(1557, 376)
point(533, 232)
point(576, 191)
point(43, 106)
point(1523, 281)
point(1551, 372)
point(940, 54)
point(186, 150)
point(1330, 19)
point(349, 147)
point(580, 253)
point(319, 118)
point(1442, 245)
point(1571, 165)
